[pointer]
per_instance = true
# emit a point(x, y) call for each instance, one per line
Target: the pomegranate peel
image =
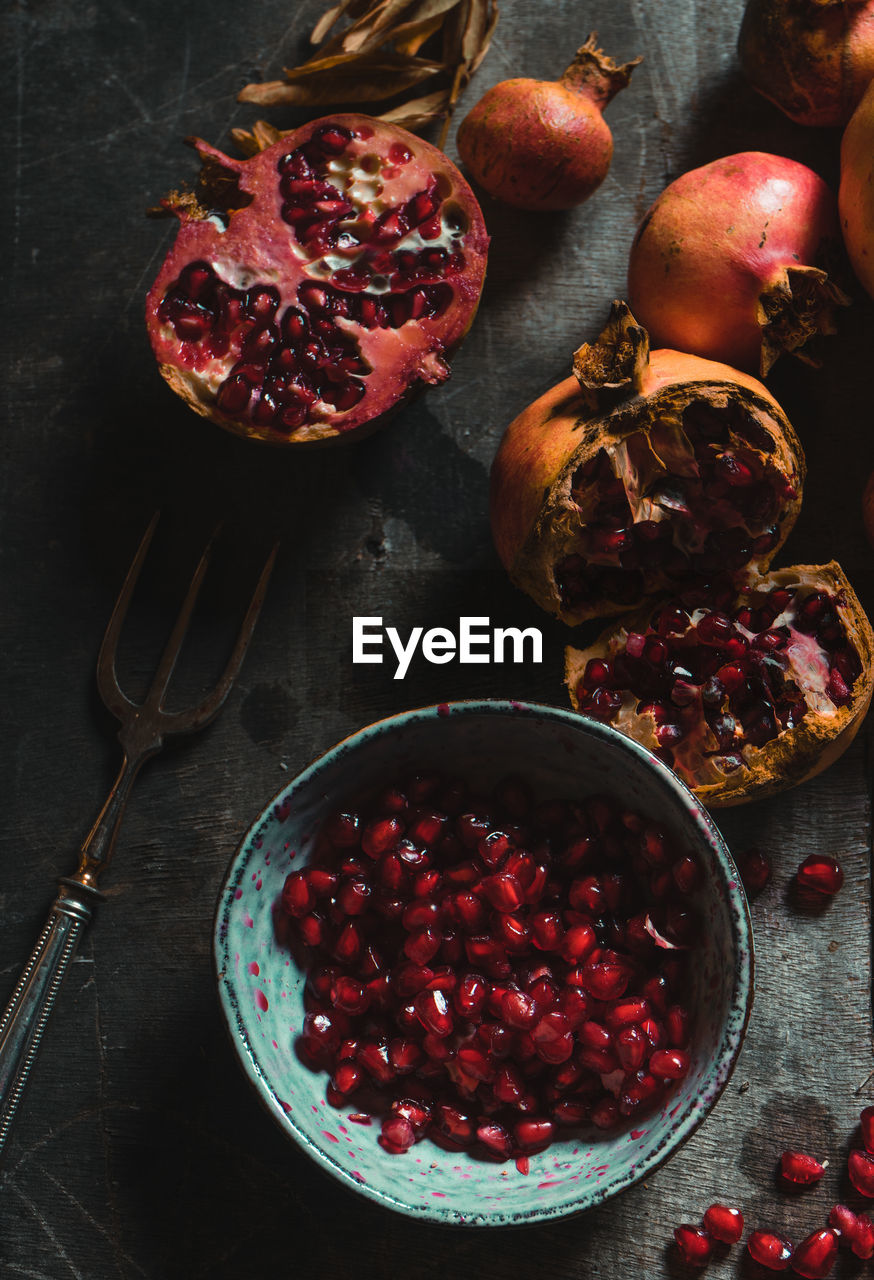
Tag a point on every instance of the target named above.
point(754, 725)
point(758, 232)
point(812, 58)
point(856, 192)
point(543, 144)
point(314, 285)
point(623, 480)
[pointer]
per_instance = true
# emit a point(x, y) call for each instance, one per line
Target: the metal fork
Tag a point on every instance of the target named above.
point(144, 727)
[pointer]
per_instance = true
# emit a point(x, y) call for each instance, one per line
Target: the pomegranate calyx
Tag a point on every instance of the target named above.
point(612, 368)
point(792, 309)
point(595, 75)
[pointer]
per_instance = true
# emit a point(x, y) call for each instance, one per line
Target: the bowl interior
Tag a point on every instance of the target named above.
point(261, 985)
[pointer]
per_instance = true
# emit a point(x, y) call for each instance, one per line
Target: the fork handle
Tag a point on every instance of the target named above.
point(27, 1013)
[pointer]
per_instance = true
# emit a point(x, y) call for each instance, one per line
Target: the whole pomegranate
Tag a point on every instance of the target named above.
point(856, 194)
point(643, 470)
point(312, 287)
point(812, 58)
point(731, 261)
point(544, 144)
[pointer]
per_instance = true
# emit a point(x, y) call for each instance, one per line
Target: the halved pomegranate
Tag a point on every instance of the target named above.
point(314, 285)
point(646, 471)
point(743, 691)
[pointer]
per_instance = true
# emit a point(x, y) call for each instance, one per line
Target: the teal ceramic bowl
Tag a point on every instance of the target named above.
point(261, 987)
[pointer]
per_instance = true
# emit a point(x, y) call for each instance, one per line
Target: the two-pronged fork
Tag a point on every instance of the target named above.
point(144, 727)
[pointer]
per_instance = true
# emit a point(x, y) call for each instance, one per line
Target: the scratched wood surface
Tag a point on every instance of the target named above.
point(141, 1151)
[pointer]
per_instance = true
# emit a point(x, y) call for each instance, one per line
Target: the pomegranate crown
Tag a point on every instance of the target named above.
point(611, 368)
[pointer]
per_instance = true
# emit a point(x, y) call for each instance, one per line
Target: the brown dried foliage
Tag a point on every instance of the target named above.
point(368, 51)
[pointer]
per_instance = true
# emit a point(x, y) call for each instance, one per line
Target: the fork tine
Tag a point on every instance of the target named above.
point(189, 721)
point(107, 680)
point(167, 665)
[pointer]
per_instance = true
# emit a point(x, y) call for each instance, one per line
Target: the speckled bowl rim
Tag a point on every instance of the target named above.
point(725, 1057)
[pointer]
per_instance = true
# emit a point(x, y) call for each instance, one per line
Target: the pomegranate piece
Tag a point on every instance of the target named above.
point(597, 505)
point(543, 144)
point(815, 1256)
point(314, 285)
point(800, 1169)
point(724, 1223)
point(756, 719)
point(694, 1244)
point(860, 1166)
point(776, 295)
point(770, 1250)
point(820, 873)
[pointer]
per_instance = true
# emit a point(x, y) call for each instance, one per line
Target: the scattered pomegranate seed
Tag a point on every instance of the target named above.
point(856, 1229)
point(815, 1256)
point(801, 1169)
point(860, 1166)
point(820, 873)
point(770, 1250)
point(694, 1244)
point(724, 1223)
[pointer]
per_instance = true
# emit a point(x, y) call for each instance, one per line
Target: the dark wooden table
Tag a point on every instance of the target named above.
point(140, 1150)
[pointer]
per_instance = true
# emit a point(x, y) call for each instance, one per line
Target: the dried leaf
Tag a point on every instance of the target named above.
point(374, 56)
point(261, 136)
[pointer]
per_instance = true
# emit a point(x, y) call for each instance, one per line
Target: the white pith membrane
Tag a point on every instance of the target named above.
point(806, 669)
point(256, 278)
point(672, 490)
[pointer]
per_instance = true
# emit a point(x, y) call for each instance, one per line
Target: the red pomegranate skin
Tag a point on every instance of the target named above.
point(250, 244)
point(544, 144)
point(717, 242)
point(813, 59)
point(856, 194)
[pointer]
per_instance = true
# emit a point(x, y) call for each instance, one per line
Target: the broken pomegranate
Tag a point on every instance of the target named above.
point(758, 232)
point(312, 287)
point(646, 470)
point(812, 58)
point(743, 692)
point(489, 971)
point(544, 144)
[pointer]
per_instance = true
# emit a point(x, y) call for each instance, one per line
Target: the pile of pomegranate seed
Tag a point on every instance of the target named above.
point(820, 874)
point(485, 971)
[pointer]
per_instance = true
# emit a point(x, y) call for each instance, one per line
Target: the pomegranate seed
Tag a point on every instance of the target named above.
point(755, 870)
point(397, 1134)
point(350, 996)
point(375, 1060)
point(427, 828)
point(770, 1250)
point(347, 1077)
point(353, 896)
point(470, 996)
point(862, 1242)
point(815, 1256)
point(533, 1135)
point(686, 874)
point(631, 1047)
point(503, 891)
point(724, 1223)
point(553, 1038)
point(694, 1244)
point(820, 873)
point(605, 1113)
point(519, 1009)
point(547, 930)
point(606, 979)
point(380, 836)
point(507, 1085)
point(860, 1166)
point(799, 1168)
point(433, 1010)
point(475, 1063)
point(298, 898)
point(422, 945)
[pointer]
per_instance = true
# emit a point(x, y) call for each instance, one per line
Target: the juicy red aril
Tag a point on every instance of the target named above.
point(724, 1223)
point(496, 1139)
point(815, 1256)
point(770, 1250)
point(669, 1064)
point(820, 873)
point(434, 1013)
point(854, 1229)
point(397, 1134)
point(298, 898)
point(754, 868)
point(860, 1166)
point(381, 835)
point(532, 1134)
point(800, 1168)
point(694, 1244)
